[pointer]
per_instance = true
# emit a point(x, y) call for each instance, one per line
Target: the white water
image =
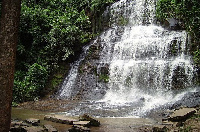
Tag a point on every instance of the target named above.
point(146, 62)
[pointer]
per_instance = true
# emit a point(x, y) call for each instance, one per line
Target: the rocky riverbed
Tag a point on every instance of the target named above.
point(185, 119)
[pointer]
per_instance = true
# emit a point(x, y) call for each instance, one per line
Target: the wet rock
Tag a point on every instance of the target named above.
point(50, 128)
point(60, 119)
point(78, 128)
point(18, 123)
point(33, 121)
point(182, 114)
point(27, 129)
point(82, 123)
point(105, 69)
point(172, 24)
point(18, 126)
point(17, 129)
point(191, 99)
point(93, 122)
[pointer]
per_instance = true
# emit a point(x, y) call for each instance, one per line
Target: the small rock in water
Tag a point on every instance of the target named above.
point(60, 119)
point(93, 122)
point(17, 129)
point(18, 123)
point(82, 123)
point(33, 121)
point(78, 128)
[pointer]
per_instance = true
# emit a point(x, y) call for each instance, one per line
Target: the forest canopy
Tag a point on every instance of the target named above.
point(188, 13)
point(50, 32)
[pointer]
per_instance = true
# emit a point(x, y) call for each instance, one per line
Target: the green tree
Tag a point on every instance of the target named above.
point(51, 32)
point(187, 12)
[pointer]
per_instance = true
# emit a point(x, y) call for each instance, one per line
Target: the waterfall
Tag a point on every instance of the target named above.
point(145, 65)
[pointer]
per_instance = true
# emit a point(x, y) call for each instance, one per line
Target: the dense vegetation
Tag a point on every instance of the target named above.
point(188, 13)
point(51, 32)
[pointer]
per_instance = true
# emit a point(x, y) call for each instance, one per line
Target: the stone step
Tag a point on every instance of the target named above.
point(82, 123)
point(60, 119)
point(93, 122)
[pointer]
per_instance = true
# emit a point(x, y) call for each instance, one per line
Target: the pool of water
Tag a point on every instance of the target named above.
point(107, 124)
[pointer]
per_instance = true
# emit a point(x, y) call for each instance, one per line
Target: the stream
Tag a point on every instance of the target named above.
point(107, 124)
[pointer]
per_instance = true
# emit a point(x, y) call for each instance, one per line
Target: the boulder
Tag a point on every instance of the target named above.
point(33, 121)
point(60, 119)
point(182, 114)
point(93, 122)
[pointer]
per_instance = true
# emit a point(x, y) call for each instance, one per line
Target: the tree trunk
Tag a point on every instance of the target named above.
point(9, 22)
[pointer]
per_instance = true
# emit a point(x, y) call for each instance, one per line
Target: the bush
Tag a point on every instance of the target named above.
point(27, 86)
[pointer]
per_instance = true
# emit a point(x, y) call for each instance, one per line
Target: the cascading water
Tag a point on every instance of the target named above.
point(138, 65)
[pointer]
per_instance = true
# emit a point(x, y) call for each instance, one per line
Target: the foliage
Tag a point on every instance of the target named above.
point(186, 11)
point(27, 85)
point(104, 78)
point(196, 56)
point(51, 32)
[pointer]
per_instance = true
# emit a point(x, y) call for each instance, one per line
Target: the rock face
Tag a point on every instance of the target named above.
point(182, 114)
point(191, 99)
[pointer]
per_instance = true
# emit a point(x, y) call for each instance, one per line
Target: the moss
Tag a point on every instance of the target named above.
point(57, 79)
point(123, 21)
point(104, 78)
